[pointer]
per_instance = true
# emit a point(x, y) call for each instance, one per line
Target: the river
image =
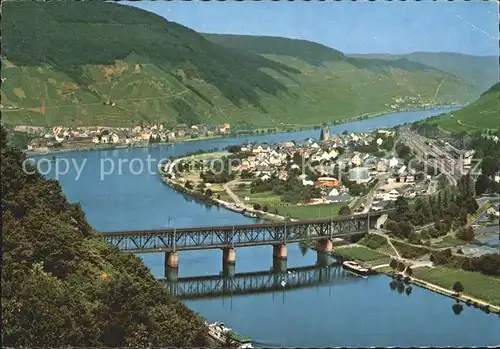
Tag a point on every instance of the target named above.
point(357, 312)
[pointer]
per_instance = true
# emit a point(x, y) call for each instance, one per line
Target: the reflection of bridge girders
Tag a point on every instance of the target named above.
point(256, 282)
point(240, 235)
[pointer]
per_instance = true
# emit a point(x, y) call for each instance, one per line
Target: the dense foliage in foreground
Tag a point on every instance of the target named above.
point(63, 286)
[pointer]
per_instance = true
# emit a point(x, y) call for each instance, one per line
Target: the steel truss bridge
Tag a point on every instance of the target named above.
point(257, 282)
point(165, 240)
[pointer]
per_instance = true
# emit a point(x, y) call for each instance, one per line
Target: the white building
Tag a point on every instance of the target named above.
point(393, 195)
point(493, 211)
point(307, 182)
point(113, 138)
point(357, 160)
point(393, 162)
point(334, 192)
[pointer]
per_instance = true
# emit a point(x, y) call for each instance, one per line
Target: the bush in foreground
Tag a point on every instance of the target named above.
point(62, 285)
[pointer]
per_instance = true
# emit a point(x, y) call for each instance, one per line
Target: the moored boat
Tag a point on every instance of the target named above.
point(219, 332)
point(356, 268)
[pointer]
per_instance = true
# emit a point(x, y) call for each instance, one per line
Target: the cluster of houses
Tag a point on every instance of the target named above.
point(329, 159)
point(157, 133)
point(407, 101)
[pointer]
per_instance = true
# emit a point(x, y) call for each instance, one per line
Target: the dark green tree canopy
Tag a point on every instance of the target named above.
point(62, 285)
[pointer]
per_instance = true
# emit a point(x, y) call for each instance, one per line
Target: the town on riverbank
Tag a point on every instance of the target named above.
point(57, 138)
point(438, 236)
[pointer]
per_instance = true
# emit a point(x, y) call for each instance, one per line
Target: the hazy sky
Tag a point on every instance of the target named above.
point(352, 27)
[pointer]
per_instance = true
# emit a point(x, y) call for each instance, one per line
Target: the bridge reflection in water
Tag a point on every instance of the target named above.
point(277, 278)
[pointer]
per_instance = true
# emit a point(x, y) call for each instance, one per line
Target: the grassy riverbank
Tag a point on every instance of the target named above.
point(476, 284)
point(373, 251)
point(309, 212)
point(274, 203)
point(363, 254)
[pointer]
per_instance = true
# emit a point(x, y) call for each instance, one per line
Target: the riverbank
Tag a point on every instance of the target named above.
point(284, 130)
point(167, 171)
point(233, 197)
point(480, 290)
point(100, 147)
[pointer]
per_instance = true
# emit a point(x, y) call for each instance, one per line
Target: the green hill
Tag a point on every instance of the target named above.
point(63, 286)
point(481, 71)
point(484, 113)
point(307, 51)
point(97, 63)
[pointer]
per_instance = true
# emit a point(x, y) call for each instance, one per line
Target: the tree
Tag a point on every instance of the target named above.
point(482, 184)
point(391, 226)
point(208, 192)
point(452, 210)
point(394, 264)
point(265, 208)
point(112, 303)
point(458, 287)
point(402, 207)
point(256, 207)
point(409, 271)
point(404, 229)
point(466, 194)
point(401, 266)
point(228, 342)
point(465, 234)
point(490, 166)
point(345, 210)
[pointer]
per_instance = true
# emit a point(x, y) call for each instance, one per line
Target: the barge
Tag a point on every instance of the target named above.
point(356, 268)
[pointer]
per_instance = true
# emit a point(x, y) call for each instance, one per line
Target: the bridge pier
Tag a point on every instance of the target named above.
point(280, 251)
point(172, 259)
point(323, 259)
point(171, 266)
point(228, 261)
point(324, 246)
point(171, 274)
point(228, 255)
point(279, 265)
point(228, 270)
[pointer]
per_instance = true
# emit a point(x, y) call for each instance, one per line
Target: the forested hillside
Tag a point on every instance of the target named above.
point(481, 71)
point(482, 114)
point(99, 63)
point(64, 286)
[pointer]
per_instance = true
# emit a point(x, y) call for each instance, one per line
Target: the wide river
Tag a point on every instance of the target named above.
point(348, 311)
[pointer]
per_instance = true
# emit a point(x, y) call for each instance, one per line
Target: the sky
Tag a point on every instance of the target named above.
point(351, 27)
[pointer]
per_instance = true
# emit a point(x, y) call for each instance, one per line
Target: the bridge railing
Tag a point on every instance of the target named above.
point(240, 235)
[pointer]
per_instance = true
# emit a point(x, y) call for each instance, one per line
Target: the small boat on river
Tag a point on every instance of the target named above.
point(219, 332)
point(356, 268)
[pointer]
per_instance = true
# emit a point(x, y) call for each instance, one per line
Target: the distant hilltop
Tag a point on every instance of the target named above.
point(98, 63)
point(482, 114)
